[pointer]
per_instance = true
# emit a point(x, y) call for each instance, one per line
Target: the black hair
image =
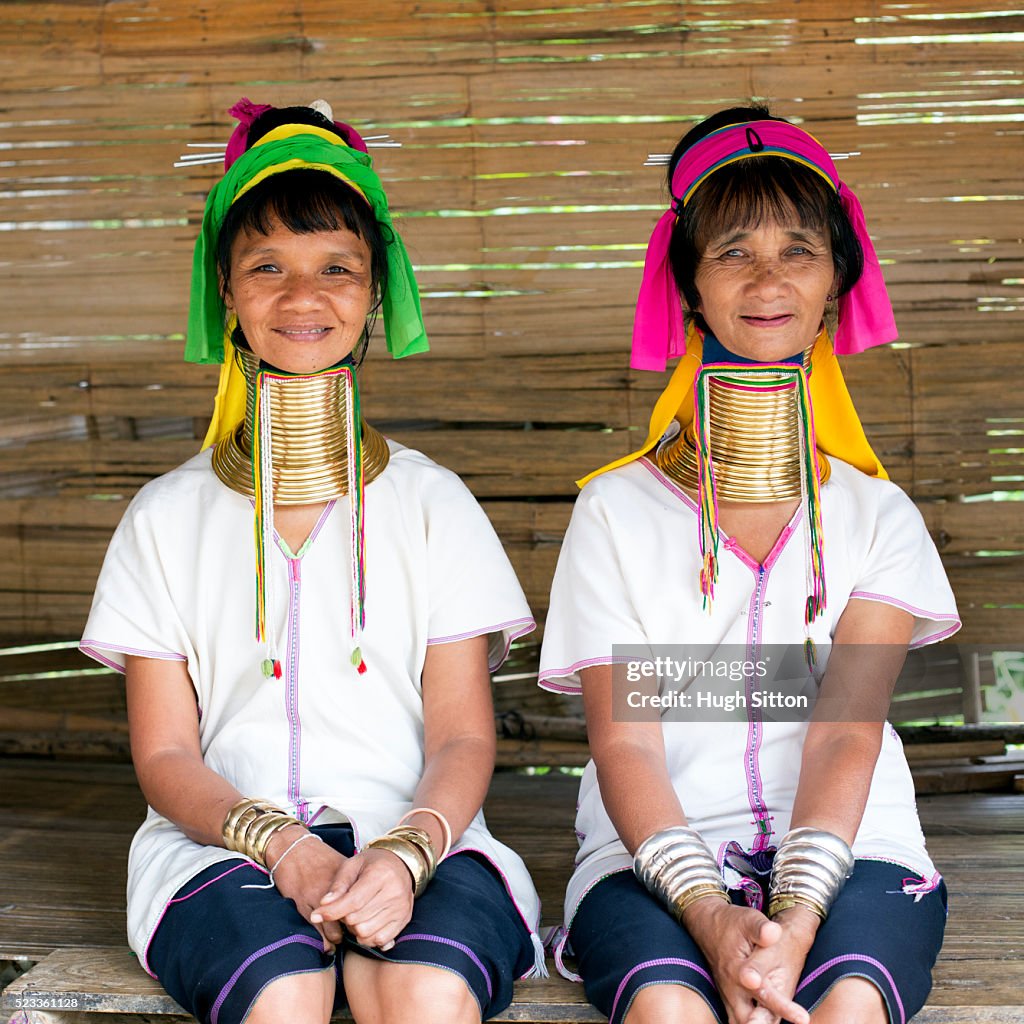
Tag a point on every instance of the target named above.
point(277, 116)
point(748, 192)
point(303, 201)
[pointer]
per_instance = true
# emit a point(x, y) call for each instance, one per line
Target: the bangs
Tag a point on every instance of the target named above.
point(303, 201)
point(751, 192)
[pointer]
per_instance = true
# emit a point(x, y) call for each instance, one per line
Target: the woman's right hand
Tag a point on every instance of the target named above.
point(728, 936)
point(372, 898)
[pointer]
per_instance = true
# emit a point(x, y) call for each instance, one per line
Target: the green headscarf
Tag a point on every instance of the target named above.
point(400, 303)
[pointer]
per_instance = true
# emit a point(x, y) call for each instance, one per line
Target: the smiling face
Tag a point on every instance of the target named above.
point(763, 289)
point(301, 299)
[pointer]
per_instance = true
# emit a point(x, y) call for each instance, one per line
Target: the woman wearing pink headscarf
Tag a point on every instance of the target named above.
point(736, 863)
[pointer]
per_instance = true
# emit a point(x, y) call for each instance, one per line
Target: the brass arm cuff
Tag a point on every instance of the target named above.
point(263, 831)
point(780, 903)
point(409, 854)
point(695, 893)
point(420, 838)
point(231, 819)
point(249, 825)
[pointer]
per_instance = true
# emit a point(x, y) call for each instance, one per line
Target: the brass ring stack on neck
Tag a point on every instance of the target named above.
point(755, 444)
point(309, 443)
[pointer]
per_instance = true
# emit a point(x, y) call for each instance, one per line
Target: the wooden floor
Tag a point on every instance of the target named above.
point(65, 828)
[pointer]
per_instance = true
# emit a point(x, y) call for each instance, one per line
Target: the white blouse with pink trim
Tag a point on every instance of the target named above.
point(323, 742)
point(627, 574)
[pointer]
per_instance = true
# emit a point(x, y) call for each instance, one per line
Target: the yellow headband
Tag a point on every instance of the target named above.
point(289, 131)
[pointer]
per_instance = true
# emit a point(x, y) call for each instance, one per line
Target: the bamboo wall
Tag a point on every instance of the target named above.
point(522, 196)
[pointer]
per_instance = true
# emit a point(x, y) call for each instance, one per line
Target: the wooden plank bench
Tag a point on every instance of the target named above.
point(64, 831)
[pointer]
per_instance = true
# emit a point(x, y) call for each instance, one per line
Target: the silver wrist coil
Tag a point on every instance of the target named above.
point(675, 863)
point(811, 867)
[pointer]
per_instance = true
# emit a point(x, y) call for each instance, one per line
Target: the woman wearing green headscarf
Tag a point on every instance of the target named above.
point(306, 614)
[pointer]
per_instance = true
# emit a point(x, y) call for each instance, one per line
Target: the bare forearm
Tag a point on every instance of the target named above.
point(637, 792)
point(835, 778)
point(455, 783)
point(185, 791)
point(839, 756)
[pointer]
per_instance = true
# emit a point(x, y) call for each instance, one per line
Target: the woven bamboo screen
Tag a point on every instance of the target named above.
point(521, 193)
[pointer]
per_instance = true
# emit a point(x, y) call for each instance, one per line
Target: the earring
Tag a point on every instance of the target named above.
point(830, 320)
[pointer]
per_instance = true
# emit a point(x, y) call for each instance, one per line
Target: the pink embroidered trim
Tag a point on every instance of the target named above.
point(514, 627)
point(546, 684)
point(323, 807)
point(857, 958)
point(920, 887)
point(223, 874)
point(144, 958)
point(667, 483)
point(92, 649)
point(546, 677)
point(675, 961)
point(921, 613)
point(777, 547)
point(291, 690)
point(934, 638)
point(559, 940)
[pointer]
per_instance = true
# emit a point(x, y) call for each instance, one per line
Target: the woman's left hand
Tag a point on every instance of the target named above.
point(771, 973)
point(371, 897)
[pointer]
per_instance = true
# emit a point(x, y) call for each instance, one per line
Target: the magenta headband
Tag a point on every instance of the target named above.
point(245, 112)
point(865, 313)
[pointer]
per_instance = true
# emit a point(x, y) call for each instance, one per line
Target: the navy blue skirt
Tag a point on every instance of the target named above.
point(220, 944)
point(624, 940)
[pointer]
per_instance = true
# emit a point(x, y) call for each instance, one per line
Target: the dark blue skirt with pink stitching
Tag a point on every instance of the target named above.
point(221, 942)
point(884, 927)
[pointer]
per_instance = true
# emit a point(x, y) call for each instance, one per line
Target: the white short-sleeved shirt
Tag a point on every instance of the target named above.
point(323, 742)
point(627, 574)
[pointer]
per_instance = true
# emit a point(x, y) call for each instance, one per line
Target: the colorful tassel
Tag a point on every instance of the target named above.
point(263, 523)
point(811, 496)
point(263, 477)
point(810, 653)
point(766, 374)
point(707, 497)
point(357, 533)
point(355, 482)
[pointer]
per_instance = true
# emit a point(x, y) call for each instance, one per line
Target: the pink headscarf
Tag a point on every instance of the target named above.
point(865, 312)
point(245, 112)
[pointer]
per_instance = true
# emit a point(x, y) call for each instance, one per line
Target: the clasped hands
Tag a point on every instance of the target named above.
point(368, 895)
point(756, 962)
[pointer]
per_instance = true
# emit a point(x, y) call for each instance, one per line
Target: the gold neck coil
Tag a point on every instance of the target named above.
point(309, 439)
point(755, 443)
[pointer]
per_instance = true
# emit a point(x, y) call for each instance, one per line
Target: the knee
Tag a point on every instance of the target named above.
point(852, 1001)
point(408, 994)
point(435, 993)
point(303, 998)
point(656, 1004)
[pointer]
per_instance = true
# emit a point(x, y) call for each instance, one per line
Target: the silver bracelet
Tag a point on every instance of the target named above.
point(677, 867)
point(270, 872)
point(810, 869)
